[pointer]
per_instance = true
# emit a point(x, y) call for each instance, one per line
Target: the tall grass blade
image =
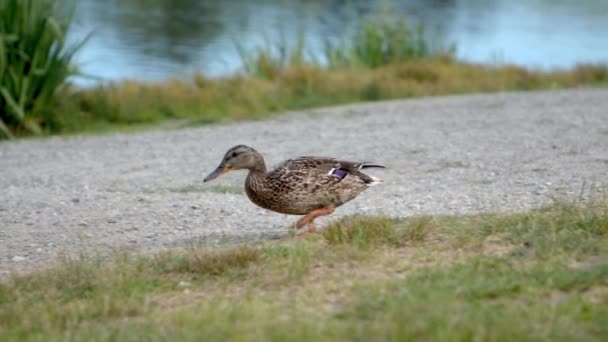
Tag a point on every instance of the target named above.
point(13, 107)
point(6, 132)
point(34, 63)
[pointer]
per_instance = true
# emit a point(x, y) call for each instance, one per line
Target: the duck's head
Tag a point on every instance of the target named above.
point(237, 158)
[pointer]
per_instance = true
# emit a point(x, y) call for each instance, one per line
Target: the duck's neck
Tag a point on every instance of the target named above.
point(255, 184)
point(258, 172)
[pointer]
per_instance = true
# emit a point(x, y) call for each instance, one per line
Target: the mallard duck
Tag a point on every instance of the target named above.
point(309, 186)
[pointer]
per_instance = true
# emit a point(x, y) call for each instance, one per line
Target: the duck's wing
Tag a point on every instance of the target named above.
point(332, 167)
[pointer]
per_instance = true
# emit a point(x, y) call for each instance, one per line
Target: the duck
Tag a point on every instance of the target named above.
point(309, 186)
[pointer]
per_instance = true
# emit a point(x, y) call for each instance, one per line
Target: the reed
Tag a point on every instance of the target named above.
point(381, 40)
point(377, 41)
point(35, 62)
point(267, 60)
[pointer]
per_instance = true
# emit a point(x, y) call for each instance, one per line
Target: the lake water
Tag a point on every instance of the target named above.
point(159, 39)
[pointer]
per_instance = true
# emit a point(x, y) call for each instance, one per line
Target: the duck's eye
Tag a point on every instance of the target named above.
point(234, 154)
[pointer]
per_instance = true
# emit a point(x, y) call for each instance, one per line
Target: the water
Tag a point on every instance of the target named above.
point(160, 39)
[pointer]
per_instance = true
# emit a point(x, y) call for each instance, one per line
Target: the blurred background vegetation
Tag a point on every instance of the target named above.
point(35, 63)
point(194, 62)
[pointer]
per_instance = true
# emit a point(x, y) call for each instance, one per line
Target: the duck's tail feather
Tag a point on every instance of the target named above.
point(369, 179)
point(367, 165)
point(375, 181)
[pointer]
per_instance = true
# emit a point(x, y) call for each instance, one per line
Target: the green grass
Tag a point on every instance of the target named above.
point(140, 105)
point(539, 275)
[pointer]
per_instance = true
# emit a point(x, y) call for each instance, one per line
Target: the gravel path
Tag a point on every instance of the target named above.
point(454, 154)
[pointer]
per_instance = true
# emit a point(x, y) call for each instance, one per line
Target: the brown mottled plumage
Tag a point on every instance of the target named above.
point(310, 186)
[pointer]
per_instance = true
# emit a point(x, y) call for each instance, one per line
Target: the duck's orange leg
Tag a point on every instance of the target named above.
point(308, 218)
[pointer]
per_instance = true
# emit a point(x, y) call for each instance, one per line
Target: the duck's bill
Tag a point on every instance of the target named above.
point(216, 173)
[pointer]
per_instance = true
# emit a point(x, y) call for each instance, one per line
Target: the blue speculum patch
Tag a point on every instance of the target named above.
point(340, 173)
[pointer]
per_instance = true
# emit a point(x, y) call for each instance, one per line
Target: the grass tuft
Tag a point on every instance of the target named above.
point(418, 228)
point(362, 231)
point(208, 262)
point(295, 259)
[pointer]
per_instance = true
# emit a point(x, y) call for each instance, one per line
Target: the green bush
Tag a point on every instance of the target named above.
point(35, 62)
